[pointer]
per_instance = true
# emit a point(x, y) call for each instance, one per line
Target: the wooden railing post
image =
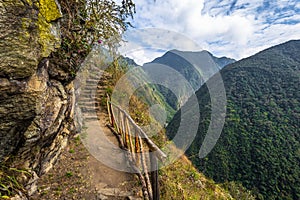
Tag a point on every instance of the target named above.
point(110, 111)
point(145, 169)
point(130, 138)
point(154, 176)
point(137, 147)
point(136, 153)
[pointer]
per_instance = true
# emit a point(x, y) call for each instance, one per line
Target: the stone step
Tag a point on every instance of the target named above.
point(92, 81)
point(88, 92)
point(82, 101)
point(95, 85)
point(95, 75)
point(89, 110)
point(89, 107)
point(91, 96)
point(89, 115)
point(86, 99)
point(88, 103)
point(89, 86)
point(92, 108)
point(89, 99)
point(114, 192)
point(88, 119)
point(94, 89)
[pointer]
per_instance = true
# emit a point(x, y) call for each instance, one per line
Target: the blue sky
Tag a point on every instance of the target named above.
point(233, 28)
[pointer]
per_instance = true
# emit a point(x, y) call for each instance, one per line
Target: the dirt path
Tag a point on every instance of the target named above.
point(78, 174)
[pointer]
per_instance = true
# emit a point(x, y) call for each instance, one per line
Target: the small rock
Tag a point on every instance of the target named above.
point(31, 186)
point(20, 196)
point(101, 197)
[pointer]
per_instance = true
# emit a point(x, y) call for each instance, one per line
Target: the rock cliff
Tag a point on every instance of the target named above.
point(36, 109)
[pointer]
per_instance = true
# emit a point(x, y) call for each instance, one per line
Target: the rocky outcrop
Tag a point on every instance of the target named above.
point(36, 110)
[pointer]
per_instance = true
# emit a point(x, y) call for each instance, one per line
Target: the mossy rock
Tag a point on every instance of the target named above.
point(28, 33)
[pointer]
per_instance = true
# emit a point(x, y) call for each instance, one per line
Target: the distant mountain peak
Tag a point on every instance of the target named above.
point(192, 55)
point(181, 52)
point(128, 61)
point(195, 66)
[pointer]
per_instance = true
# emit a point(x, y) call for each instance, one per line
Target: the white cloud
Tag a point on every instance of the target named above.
point(144, 45)
point(231, 28)
point(141, 56)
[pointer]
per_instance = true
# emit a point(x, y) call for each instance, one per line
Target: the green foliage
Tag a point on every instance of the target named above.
point(69, 174)
point(71, 151)
point(11, 181)
point(85, 23)
point(260, 142)
point(238, 191)
point(117, 69)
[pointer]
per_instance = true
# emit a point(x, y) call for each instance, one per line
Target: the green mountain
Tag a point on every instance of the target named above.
point(195, 67)
point(179, 180)
point(260, 142)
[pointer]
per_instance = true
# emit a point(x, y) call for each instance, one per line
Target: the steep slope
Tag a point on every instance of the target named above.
point(135, 82)
point(195, 67)
point(260, 142)
point(129, 61)
point(179, 180)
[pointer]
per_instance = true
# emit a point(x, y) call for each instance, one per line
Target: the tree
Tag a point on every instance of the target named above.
point(84, 23)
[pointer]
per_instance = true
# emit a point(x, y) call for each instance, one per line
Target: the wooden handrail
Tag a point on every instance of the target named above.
point(155, 149)
point(120, 125)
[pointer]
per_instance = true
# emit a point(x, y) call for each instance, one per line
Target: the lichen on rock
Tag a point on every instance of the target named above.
point(49, 36)
point(50, 10)
point(28, 31)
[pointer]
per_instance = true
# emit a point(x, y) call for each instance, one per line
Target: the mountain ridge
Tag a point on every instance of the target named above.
point(195, 67)
point(260, 142)
point(176, 51)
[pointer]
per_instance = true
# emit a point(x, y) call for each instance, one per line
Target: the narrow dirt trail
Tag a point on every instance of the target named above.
point(108, 182)
point(78, 174)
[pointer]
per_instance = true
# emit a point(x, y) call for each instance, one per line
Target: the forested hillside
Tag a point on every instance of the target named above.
point(260, 142)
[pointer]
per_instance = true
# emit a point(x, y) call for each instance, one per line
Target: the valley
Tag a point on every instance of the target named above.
point(259, 145)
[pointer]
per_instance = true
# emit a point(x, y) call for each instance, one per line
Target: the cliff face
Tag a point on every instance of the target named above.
point(36, 111)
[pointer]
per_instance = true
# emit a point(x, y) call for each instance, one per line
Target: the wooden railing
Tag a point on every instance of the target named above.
point(142, 153)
